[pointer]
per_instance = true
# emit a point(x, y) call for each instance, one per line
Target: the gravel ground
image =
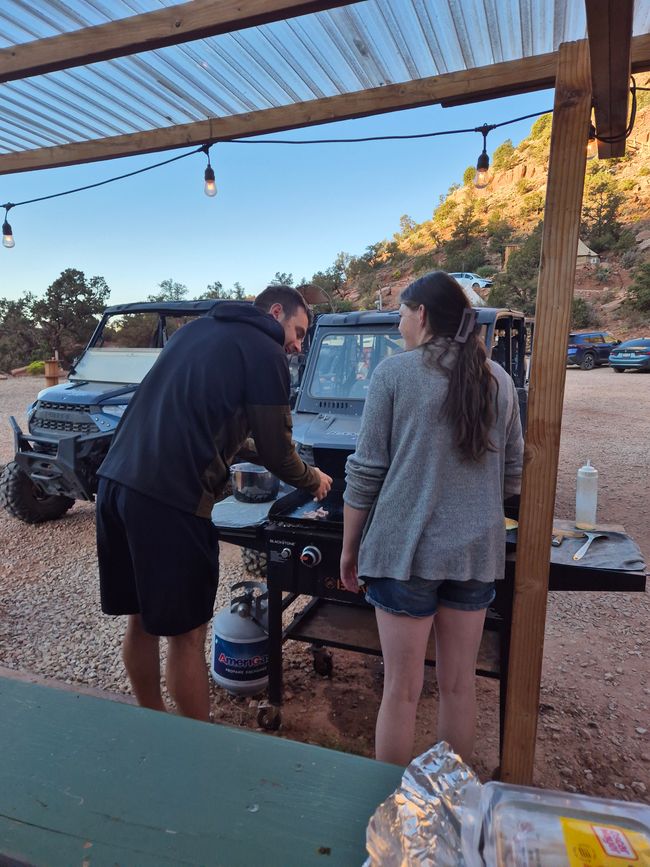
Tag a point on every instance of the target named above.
point(593, 728)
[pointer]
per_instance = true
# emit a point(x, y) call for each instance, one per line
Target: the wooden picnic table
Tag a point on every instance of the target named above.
point(93, 782)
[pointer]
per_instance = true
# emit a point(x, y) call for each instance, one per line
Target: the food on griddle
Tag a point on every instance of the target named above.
point(317, 514)
point(511, 524)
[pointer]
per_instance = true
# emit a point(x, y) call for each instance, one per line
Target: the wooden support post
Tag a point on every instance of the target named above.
point(552, 320)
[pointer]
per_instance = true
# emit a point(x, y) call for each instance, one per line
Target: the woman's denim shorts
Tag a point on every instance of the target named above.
point(419, 597)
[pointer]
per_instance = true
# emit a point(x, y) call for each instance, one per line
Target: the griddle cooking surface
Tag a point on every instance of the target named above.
point(333, 505)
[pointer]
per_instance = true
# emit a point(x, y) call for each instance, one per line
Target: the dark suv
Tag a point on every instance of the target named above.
point(588, 349)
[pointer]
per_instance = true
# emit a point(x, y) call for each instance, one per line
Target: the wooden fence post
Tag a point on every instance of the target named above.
point(566, 174)
point(51, 372)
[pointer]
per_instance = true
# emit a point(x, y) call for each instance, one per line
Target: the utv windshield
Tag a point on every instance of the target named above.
point(126, 347)
point(346, 361)
point(139, 330)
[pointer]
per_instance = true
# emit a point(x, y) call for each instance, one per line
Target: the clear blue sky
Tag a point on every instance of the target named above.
point(278, 208)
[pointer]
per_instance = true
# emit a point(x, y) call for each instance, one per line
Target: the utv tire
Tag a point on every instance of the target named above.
point(254, 562)
point(23, 500)
point(618, 369)
point(588, 362)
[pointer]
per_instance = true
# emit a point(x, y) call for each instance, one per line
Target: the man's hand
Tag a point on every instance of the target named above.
point(325, 485)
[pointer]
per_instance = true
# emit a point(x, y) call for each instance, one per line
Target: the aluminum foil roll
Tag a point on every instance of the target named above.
point(420, 823)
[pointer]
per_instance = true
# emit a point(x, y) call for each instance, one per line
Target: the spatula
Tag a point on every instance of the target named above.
point(580, 553)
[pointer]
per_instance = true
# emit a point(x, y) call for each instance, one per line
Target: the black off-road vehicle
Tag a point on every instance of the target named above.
point(344, 350)
point(70, 426)
point(347, 347)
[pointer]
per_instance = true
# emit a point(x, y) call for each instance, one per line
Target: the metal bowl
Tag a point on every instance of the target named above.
point(253, 484)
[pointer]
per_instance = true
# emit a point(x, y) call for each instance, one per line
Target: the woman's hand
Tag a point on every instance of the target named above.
point(353, 523)
point(349, 571)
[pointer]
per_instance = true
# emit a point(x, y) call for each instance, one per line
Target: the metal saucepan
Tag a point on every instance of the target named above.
point(253, 484)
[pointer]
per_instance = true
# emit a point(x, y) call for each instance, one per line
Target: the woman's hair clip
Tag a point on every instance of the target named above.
point(467, 325)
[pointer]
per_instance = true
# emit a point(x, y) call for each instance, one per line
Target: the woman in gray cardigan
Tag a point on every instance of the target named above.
point(440, 447)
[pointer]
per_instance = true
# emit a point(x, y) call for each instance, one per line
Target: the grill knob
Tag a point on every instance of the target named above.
point(285, 553)
point(311, 556)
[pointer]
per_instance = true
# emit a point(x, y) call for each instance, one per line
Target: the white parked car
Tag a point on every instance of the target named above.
point(468, 280)
point(467, 285)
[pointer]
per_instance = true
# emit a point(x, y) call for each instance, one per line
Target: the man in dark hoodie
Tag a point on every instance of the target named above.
point(221, 378)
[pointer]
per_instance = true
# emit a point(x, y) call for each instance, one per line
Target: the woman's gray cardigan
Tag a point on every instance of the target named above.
point(433, 514)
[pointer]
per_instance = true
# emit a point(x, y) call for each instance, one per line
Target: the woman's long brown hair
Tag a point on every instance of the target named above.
point(470, 401)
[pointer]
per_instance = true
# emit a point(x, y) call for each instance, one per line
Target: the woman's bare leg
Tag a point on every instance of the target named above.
point(458, 637)
point(403, 645)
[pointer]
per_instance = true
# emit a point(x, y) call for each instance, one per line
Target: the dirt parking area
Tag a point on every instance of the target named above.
point(593, 728)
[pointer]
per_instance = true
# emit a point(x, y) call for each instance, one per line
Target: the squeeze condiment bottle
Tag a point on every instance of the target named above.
point(586, 497)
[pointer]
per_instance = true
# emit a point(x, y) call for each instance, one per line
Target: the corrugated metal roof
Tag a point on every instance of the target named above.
point(343, 50)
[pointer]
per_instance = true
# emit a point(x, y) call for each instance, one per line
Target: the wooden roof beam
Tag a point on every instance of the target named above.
point(173, 25)
point(528, 74)
point(609, 26)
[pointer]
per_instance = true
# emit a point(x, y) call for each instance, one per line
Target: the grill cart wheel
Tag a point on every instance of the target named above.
point(269, 718)
point(23, 500)
point(323, 662)
point(588, 362)
point(254, 562)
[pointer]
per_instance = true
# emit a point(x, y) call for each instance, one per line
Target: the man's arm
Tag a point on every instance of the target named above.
point(269, 418)
point(248, 452)
point(271, 427)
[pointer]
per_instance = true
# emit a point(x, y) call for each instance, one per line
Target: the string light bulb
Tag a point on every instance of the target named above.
point(210, 187)
point(7, 233)
point(483, 175)
point(592, 143)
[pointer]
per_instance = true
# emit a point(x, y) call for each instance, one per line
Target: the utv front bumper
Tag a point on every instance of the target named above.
point(64, 466)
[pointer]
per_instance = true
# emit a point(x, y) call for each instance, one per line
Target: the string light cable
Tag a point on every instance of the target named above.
point(630, 124)
point(383, 137)
point(10, 205)
point(210, 188)
point(7, 236)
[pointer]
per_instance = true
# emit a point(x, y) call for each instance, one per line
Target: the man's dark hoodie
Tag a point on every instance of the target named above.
point(220, 379)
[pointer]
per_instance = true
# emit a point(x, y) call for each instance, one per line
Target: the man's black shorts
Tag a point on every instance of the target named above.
point(155, 561)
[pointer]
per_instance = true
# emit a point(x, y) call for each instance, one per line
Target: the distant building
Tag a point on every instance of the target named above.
point(585, 255)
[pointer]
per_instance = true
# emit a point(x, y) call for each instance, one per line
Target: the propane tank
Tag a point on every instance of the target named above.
point(586, 497)
point(240, 641)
